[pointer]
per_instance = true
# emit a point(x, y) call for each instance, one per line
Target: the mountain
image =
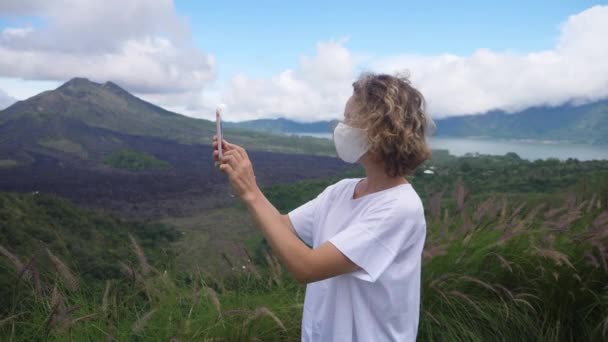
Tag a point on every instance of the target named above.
point(105, 106)
point(58, 118)
point(100, 146)
point(282, 125)
point(587, 123)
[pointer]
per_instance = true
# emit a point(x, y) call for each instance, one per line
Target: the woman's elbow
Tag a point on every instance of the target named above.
point(307, 271)
point(310, 275)
point(302, 281)
point(302, 277)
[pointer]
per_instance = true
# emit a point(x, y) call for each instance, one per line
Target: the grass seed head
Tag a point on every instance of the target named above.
point(69, 279)
point(141, 257)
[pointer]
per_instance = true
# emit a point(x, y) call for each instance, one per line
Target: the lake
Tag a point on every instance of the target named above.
point(530, 150)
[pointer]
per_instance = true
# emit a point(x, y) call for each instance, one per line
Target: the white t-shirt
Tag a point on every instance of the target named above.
point(383, 233)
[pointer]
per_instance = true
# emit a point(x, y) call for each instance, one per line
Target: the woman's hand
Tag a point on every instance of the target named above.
point(235, 162)
point(305, 264)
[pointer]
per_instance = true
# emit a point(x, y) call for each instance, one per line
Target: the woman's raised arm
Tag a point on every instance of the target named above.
point(305, 264)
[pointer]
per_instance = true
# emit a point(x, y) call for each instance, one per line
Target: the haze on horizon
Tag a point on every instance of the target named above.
point(298, 61)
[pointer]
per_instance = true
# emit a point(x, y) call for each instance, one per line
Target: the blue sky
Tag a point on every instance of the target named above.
point(298, 59)
point(264, 37)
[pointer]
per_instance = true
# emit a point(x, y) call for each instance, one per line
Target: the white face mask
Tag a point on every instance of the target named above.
point(351, 143)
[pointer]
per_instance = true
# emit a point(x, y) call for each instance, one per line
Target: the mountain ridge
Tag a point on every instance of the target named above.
point(110, 107)
point(581, 123)
point(101, 147)
point(280, 125)
point(584, 123)
point(106, 106)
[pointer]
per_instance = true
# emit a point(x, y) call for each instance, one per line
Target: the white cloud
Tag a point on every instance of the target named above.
point(22, 89)
point(142, 45)
point(24, 7)
point(5, 99)
point(147, 48)
point(576, 69)
point(317, 89)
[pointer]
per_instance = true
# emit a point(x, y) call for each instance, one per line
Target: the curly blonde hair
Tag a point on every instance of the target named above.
point(393, 114)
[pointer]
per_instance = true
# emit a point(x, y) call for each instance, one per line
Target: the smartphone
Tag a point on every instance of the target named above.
point(218, 127)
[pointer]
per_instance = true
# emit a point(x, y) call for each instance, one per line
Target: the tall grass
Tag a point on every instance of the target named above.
point(516, 271)
point(495, 268)
point(150, 305)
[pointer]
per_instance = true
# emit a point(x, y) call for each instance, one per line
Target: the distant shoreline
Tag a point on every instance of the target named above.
point(530, 149)
point(521, 140)
point(475, 137)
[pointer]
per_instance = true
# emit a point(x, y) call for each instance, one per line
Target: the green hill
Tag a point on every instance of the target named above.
point(91, 244)
point(282, 125)
point(87, 120)
point(523, 261)
point(586, 123)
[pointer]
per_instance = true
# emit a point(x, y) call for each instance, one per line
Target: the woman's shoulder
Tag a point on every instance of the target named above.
point(345, 182)
point(409, 199)
point(340, 186)
point(402, 201)
point(341, 183)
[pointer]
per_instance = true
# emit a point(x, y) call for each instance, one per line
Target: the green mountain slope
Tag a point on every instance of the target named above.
point(59, 119)
point(282, 125)
point(91, 243)
point(109, 106)
point(586, 123)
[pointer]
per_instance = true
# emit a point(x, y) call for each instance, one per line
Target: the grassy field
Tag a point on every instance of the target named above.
point(6, 163)
point(214, 240)
point(65, 145)
point(527, 262)
point(133, 160)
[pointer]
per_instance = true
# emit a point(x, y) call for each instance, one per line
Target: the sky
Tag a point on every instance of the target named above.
point(268, 59)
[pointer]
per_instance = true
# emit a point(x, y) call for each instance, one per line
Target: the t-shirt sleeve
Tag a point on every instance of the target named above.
point(303, 218)
point(374, 241)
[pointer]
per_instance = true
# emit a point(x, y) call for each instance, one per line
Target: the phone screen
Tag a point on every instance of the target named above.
point(218, 127)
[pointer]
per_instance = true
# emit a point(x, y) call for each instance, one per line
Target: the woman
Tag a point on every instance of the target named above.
point(363, 270)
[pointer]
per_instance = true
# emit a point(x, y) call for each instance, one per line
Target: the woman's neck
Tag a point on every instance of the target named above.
point(376, 178)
